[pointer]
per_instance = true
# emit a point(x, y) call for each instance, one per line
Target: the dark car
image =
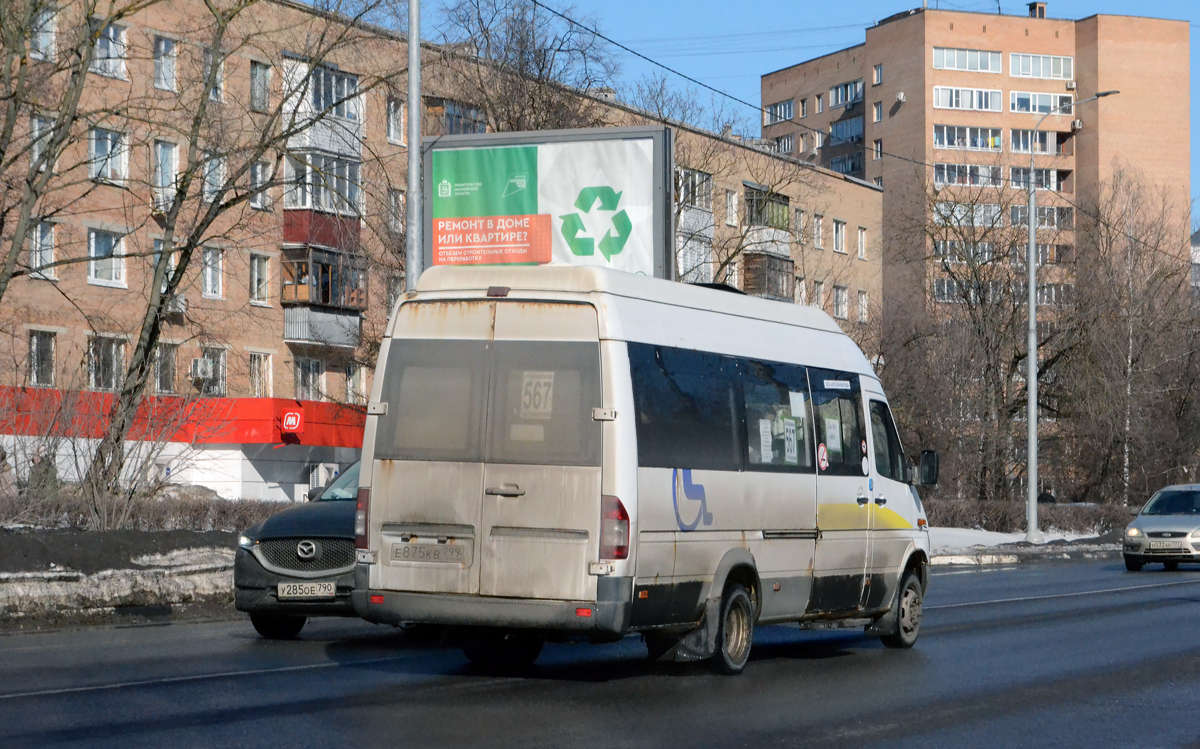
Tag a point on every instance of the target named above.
point(300, 562)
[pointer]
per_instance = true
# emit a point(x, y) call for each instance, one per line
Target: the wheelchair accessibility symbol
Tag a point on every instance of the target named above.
point(681, 481)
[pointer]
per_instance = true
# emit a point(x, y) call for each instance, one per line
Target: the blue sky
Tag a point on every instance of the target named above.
point(728, 45)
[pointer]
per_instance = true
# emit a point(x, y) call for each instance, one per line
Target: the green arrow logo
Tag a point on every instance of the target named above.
point(610, 244)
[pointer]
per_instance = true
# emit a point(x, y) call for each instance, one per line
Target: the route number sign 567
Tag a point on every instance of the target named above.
point(537, 395)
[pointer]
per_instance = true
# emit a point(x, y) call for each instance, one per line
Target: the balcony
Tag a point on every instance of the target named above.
point(316, 276)
point(322, 327)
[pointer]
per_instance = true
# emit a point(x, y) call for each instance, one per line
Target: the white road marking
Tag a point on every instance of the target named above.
point(1062, 595)
point(199, 677)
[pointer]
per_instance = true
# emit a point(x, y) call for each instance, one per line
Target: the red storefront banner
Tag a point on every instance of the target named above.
point(492, 240)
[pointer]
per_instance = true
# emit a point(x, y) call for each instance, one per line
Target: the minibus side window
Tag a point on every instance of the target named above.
point(686, 405)
point(543, 393)
point(839, 424)
point(778, 417)
point(435, 391)
point(889, 457)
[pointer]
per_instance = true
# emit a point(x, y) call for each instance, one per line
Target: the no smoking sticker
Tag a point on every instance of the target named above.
point(822, 456)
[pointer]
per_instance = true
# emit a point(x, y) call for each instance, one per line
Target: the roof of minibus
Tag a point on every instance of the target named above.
point(568, 279)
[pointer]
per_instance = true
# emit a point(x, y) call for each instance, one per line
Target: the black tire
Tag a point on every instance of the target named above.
point(735, 631)
point(277, 626)
point(909, 601)
point(1170, 566)
point(1133, 564)
point(505, 652)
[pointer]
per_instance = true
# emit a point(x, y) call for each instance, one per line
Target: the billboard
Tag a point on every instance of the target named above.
point(576, 197)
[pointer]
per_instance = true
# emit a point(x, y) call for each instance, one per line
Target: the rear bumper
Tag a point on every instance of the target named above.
point(609, 614)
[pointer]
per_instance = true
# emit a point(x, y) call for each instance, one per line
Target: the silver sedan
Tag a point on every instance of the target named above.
point(1167, 530)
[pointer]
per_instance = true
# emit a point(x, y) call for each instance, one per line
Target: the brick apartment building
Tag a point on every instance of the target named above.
point(285, 299)
point(937, 99)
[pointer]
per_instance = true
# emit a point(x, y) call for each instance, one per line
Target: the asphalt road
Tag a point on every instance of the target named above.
point(1054, 654)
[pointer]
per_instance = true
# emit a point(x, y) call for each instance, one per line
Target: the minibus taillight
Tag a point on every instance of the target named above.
point(360, 518)
point(614, 529)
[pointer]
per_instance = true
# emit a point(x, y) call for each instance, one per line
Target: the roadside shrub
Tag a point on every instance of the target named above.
point(1009, 517)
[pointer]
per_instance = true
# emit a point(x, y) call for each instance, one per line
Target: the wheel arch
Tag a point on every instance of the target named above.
point(738, 565)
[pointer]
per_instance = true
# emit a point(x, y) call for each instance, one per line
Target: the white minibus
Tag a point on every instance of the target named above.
point(556, 452)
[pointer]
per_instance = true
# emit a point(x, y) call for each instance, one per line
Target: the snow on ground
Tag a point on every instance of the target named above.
point(947, 540)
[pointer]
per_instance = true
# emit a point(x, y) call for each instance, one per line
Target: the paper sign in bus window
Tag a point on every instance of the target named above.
point(527, 433)
point(765, 441)
point(537, 395)
point(790, 453)
point(833, 435)
point(796, 406)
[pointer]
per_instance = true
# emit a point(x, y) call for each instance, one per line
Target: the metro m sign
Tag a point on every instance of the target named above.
point(292, 421)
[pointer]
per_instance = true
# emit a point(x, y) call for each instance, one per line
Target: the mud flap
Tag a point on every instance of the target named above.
point(701, 643)
point(888, 624)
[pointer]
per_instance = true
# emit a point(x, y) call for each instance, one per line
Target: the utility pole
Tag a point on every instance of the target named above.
point(412, 234)
point(1032, 534)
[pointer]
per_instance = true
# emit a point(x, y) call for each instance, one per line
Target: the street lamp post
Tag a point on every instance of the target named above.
point(1032, 534)
point(412, 235)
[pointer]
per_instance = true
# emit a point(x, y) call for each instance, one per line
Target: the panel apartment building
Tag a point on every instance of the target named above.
point(935, 99)
point(285, 299)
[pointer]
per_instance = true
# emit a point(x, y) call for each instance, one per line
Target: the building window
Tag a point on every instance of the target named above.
point(215, 385)
point(1040, 66)
point(42, 42)
point(462, 119)
point(40, 131)
point(1034, 103)
point(397, 206)
point(839, 236)
point(1024, 141)
point(260, 279)
point(877, 149)
point(1044, 179)
point(968, 138)
point(846, 94)
point(820, 104)
point(1048, 217)
point(170, 270)
point(335, 92)
point(260, 375)
point(164, 176)
point(818, 231)
point(803, 108)
point(784, 143)
point(862, 243)
point(106, 362)
point(800, 291)
point(214, 176)
point(846, 131)
point(164, 367)
point(848, 163)
point(972, 60)
point(798, 224)
point(976, 99)
point(693, 258)
point(731, 274)
point(41, 358)
point(108, 58)
point(356, 392)
point(818, 299)
point(41, 250)
point(966, 174)
point(841, 302)
point(879, 181)
point(108, 157)
point(877, 112)
point(310, 374)
point(695, 188)
point(779, 112)
point(877, 75)
point(395, 121)
point(980, 215)
point(106, 264)
point(211, 260)
point(731, 208)
point(260, 180)
point(765, 208)
point(326, 183)
point(164, 63)
point(260, 86)
point(863, 307)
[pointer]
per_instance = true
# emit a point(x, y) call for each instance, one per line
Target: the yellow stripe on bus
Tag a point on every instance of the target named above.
point(854, 517)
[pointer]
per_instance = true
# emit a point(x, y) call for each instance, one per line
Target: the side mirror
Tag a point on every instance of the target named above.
point(927, 474)
point(1134, 511)
point(315, 494)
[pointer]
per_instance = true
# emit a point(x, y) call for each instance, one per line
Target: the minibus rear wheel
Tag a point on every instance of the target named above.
point(910, 600)
point(735, 633)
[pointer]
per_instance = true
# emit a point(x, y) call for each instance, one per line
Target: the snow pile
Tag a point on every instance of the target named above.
point(957, 540)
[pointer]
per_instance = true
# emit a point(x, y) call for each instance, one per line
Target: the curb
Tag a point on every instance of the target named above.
point(1029, 554)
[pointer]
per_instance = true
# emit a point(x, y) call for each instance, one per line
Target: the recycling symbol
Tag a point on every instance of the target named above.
point(610, 244)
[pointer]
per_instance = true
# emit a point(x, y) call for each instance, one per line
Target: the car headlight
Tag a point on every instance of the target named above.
point(245, 541)
point(1132, 532)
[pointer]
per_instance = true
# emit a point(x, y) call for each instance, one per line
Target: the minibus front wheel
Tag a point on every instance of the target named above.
point(909, 604)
